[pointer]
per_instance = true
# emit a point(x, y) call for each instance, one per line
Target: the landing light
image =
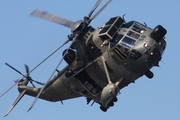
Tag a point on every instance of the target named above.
point(92, 47)
point(141, 31)
point(145, 45)
point(152, 53)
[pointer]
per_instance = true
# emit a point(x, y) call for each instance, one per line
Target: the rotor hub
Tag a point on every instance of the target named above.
point(76, 26)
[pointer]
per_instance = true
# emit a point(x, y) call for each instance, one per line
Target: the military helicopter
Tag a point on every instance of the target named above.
point(100, 62)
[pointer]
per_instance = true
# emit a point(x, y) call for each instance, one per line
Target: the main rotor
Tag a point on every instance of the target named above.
point(76, 27)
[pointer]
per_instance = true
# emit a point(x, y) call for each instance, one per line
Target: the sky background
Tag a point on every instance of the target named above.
point(28, 40)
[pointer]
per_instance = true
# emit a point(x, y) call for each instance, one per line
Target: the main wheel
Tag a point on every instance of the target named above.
point(111, 104)
point(115, 99)
point(103, 108)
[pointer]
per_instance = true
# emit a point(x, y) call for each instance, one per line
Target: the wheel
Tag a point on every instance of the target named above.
point(115, 99)
point(103, 108)
point(111, 104)
point(149, 74)
point(68, 73)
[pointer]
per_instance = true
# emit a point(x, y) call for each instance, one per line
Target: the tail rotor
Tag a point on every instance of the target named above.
point(20, 82)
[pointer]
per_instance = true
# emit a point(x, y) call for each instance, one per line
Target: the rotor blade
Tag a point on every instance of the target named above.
point(53, 18)
point(49, 56)
point(32, 83)
point(94, 8)
point(16, 101)
point(15, 69)
point(51, 75)
point(37, 82)
point(8, 90)
point(101, 10)
point(27, 69)
point(32, 69)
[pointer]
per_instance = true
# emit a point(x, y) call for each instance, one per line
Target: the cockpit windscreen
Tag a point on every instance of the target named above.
point(127, 42)
point(135, 26)
point(138, 27)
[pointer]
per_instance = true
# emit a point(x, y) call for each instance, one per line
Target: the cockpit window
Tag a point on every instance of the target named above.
point(124, 50)
point(135, 55)
point(138, 27)
point(116, 40)
point(128, 24)
point(127, 42)
point(133, 34)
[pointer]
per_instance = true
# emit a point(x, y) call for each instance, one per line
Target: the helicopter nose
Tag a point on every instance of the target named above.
point(158, 33)
point(156, 55)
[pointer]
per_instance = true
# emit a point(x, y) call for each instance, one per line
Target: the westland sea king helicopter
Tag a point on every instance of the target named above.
point(100, 62)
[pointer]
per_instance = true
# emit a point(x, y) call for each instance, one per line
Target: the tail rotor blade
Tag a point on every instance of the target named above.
point(16, 101)
point(109, 1)
point(14, 69)
point(8, 90)
point(32, 83)
point(37, 82)
point(27, 69)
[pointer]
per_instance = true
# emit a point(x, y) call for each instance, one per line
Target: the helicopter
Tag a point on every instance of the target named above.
point(100, 61)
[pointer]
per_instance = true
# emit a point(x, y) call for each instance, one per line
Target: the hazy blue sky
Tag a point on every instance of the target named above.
point(28, 40)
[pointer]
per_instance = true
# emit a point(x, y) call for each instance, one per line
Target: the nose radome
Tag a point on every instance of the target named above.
point(158, 33)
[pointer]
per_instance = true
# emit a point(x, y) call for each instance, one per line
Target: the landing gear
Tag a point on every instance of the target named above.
point(149, 74)
point(115, 99)
point(103, 108)
point(111, 104)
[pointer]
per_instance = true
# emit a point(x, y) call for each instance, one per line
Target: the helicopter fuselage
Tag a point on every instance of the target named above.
point(130, 54)
point(100, 62)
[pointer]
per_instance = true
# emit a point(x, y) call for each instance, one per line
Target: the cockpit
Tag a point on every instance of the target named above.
point(135, 26)
point(125, 40)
